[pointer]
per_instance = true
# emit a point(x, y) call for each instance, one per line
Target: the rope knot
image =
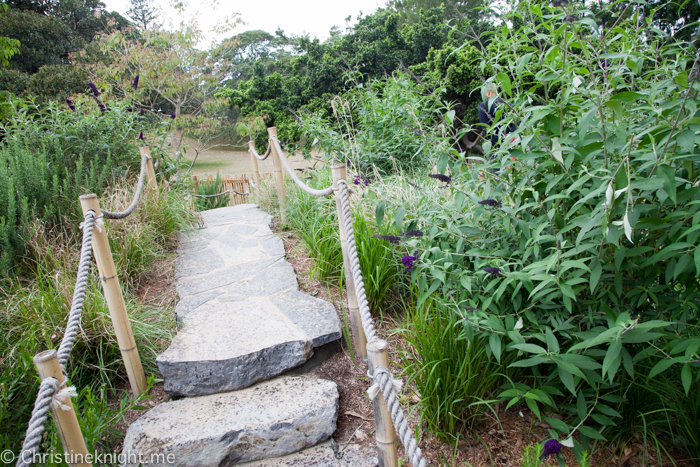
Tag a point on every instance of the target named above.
point(61, 397)
point(374, 389)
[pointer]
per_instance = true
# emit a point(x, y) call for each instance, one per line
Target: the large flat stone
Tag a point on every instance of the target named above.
point(326, 454)
point(190, 302)
point(228, 346)
point(268, 420)
point(268, 281)
point(316, 317)
point(198, 262)
point(205, 282)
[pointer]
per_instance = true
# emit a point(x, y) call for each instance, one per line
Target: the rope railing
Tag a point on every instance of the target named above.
point(290, 171)
point(252, 150)
point(53, 393)
point(383, 380)
point(137, 196)
point(220, 194)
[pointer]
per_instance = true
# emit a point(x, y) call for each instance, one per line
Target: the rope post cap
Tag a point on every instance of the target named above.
point(44, 356)
point(251, 144)
point(145, 151)
point(272, 131)
point(377, 345)
point(90, 202)
point(338, 165)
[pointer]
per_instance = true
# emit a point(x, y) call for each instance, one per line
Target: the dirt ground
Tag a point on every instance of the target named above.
point(229, 162)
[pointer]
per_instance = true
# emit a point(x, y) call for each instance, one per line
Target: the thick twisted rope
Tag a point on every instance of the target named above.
point(381, 374)
point(302, 185)
point(252, 150)
point(139, 190)
point(49, 392)
point(35, 430)
point(76, 309)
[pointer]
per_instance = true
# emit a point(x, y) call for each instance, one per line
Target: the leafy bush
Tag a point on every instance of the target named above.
point(385, 126)
point(50, 157)
point(577, 245)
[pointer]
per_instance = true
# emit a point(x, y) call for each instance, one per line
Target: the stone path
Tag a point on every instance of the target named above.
point(244, 321)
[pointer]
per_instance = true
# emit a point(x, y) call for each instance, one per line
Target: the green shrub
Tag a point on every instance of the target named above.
point(576, 245)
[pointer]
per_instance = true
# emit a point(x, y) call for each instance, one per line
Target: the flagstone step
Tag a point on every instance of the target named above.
point(244, 318)
point(270, 419)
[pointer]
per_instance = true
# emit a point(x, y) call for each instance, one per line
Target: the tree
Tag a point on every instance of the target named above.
point(176, 80)
point(143, 13)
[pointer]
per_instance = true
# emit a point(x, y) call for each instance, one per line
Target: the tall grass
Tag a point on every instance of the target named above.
point(33, 310)
point(454, 376)
point(206, 188)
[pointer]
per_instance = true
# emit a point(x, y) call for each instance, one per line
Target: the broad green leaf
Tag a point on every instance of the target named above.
point(557, 424)
point(590, 432)
point(495, 344)
point(505, 84)
point(568, 380)
point(399, 216)
point(663, 365)
point(379, 214)
point(595, 276)
point(552, 342)
point(612, 359)
point(530, 348)
point(686, 378)
point(670, 183)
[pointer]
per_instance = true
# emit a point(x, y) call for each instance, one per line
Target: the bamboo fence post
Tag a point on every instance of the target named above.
point(385, 431)
point(115, 299)
point(254, 160)
point(359, 339)
point(279, 175)
point(66, 421)
point(150, 171)
point(230, 195)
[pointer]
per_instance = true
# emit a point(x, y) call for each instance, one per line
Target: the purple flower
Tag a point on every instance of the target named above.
point(362, 180)
point(412, 233)
point(172, 116)
point(388, 238)
point(347, 163)
point(470, 308)
point(95, 91)
point(142, 112)
point(443, 178)
point(551, 447)
point(415, 186)
point(493, 271)
point(135, 84)
point(70, 104)
point(409, 261)
point(604, 63)
point(101, 106)
point(141, 136)
point(697, 361)
point(557, 3)
point(490, 202)
point(570, 18)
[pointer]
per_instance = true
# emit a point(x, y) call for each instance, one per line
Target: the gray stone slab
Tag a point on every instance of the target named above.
point(242, 229)
point(198, 284)
point(273, 245)
point(316, 317)
point(240, 214)
point(326, 454)
point(268, 281)
point(268, 420)
point(226, 346)
point(189, 303)
point(198, 262)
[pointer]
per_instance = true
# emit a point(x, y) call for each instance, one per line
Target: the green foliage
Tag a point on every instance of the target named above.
point(49, 44)
point(375, 47)
point(208, 188)
point(453, 374)
point(33, 312)
point(583, 268)
point(52, 156)
point(386, 126)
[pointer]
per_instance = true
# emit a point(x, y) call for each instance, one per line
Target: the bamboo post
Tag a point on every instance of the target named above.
point(230, 195)
point(279, 175)
point(150, 171)
point(385, 431)
point(115, 299)
point(66, 421)
point(359, 340)
point(254, 160)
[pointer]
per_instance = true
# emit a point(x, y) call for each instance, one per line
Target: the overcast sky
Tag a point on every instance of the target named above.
point(315, 17)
